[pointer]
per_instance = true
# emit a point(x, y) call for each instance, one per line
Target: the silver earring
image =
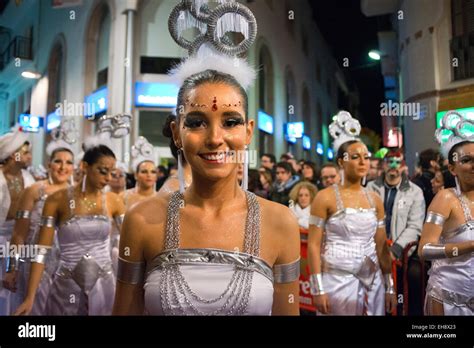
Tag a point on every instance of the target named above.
point(458, 186)
point(71, 180)
point(341, 174)
point(84, 183)
point(245, 177)
point(182, 183)
point(364, 180)
point(50, 180)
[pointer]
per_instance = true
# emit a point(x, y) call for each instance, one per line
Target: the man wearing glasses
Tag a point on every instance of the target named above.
point(404, 213)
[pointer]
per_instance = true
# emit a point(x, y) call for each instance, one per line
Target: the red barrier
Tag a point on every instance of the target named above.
point(306, 299)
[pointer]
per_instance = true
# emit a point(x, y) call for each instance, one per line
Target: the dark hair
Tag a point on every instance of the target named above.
point(448, 179)
point(92, 155)
point(270, 156)
point(428, 155)
point(60, 149)
point(286, 166)
point(166, 131)
point(209, 76)
point(343, 148)
point(313, 166)
point(330, 165)
point(453, 150)
point(254, 180)
point(139, 164)
point(163, 169)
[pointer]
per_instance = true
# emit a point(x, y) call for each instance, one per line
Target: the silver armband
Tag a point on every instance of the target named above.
point(435, 218)
point(433, 251)
point(317, 221)
point(119, 219)
point(48, 221)
point(12, 263)
point(287, 273)
point(130, 272)
point(23, 214)
point(316, 282)
point(41, 253)
point(388, 282)
point(381, 223)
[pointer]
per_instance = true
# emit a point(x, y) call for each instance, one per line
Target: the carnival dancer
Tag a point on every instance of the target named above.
point(447, 238)
point(15, 153)
point(348, 254)
point(214, 248)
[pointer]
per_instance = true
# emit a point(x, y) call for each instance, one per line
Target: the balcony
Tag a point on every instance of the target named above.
point(19, 47)
point(462, 48)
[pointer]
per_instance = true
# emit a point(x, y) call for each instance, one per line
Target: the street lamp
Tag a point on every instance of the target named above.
point(30, 75)
point(375, 55)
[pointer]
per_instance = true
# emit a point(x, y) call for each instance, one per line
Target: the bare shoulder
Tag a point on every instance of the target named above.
point(60, 196)
point(149, 211)
point(443, 202)
point(376, 198)
point(278, 216)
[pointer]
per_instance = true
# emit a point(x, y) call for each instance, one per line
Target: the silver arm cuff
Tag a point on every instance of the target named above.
point(287, 273)
point(317, 221)
point(41, 253)
point(23, 214)
point(381, 223)
point(316, 281)
point(435, 218)
point(130, 272)
point(48, 221)
point(12, 263)
point(434, 251)
point(388, 281)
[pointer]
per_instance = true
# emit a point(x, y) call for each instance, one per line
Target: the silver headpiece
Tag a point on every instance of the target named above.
point(344, 128)
point(63, 136)
point(109, 126)
point(142, 150)
point(455, 129)
point(211, 49)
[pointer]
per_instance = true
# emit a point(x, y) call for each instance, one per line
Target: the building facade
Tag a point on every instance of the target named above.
point(115, 55)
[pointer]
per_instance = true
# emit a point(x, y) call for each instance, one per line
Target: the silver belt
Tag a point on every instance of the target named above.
point(453, 298)
point(86, 272)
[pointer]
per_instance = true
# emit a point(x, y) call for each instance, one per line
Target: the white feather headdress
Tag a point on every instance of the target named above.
point(344, 128)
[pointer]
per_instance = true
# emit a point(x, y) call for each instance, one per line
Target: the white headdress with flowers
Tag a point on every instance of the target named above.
point(455, 128)
point(344, 128)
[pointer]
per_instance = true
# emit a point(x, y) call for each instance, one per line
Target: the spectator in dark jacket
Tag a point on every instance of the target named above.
point(285, 180)
point(429, 163)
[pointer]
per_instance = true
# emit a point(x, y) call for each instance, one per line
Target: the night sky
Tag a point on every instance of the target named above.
point(350, 34)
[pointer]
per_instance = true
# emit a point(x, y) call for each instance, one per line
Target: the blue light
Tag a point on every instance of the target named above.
point(265, 122)
point(290, 139)
point(30, 123)
point(53, 120)
point(158, 95)
point(295, 129)
point(330, 154)
point(319, 149)
point(96, 102)
point(306, 142)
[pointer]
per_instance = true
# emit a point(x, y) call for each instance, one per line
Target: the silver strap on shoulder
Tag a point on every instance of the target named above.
point(381, 223)
point(130, 272)
point(41, 253)
point(339, 204)
point(317, 221)
point(23, 214)
point(119, 220)
point(369, 198)
point(434, 251)
point(388, 282)
point(48, 221)
point(287, 272)
point(434, 218)
point(316, 282)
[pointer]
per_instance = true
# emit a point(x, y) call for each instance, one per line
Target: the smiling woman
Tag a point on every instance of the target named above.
point(214, 248)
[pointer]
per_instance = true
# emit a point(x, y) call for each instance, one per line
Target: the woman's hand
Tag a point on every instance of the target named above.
point(322, 303)
point(390, 302)
point(25, 307)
